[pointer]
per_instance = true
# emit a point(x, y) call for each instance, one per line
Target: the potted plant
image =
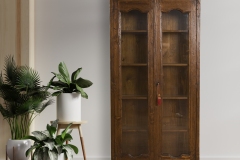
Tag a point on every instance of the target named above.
point(48, 146)
point(23, 99)
point(69, 91)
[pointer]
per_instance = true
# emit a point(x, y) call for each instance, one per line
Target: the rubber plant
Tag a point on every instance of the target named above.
point(23, 97)
point(48, 146)
point(67, 84)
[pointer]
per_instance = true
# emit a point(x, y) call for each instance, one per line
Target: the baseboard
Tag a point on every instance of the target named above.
point(93, 158)
point(201, 158)
point(219, 158)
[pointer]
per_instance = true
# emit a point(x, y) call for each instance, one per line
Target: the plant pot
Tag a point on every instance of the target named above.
point(69, 107)
point(61, 157)
point(20, 147)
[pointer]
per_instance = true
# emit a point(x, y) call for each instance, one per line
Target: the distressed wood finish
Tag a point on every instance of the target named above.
point(155, 50)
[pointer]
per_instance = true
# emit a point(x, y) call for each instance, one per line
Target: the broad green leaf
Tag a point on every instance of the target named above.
point(56, 93)
point(83, 94)
point(30, 137)
point(67, 137)
point(52, 155)
point(59, 148)
point(65, 131)
point(69, 152)
point(50, 145)
point(51, 129)
point(64, 72)
point(61, 78)
point(75, 74)
point(30, 150)
point(83, 83)
point(75, 149)
point(59, 140)
point(39, 135)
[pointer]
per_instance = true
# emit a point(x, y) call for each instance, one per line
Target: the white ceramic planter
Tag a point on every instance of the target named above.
point(69, 107)
point(61, 157)
point(20, 147)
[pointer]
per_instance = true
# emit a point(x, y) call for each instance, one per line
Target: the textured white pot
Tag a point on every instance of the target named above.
point(20, 147)
point(69, 107)
point(61, 157)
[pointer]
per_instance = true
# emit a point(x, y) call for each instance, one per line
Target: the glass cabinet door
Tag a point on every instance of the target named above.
point(175, 89)
point(134, 84)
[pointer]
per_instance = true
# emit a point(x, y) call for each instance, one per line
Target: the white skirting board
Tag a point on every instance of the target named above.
point(93, 158)
point(201, 158)
point(220, 158)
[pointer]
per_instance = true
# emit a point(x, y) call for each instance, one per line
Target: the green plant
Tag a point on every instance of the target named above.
point(23, 97)
point(48, 146)
point(65, 84)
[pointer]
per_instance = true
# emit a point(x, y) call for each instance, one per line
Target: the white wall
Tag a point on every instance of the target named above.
point(220, 77)
point(77, 32)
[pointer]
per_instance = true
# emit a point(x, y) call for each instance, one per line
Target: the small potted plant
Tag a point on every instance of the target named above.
point(69, 91)
point(23, 99)
point(48, 146)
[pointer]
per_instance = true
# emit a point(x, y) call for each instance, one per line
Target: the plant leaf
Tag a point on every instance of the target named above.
point(31, 137)
point(62, 68)
point(39, 135)
point(83, 83)
point(68, 152)
point(52, 155)
point(67, 137)
point(83, 94)
point(50, 145)
point(30, 149)
point(51, 129)
point(75, 74)
point(65, 131)
point(75, 149)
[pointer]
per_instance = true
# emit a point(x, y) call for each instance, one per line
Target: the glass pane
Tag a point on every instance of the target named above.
point(175, 20)
point(175, 81)
point(134, 83)
point(135, 125)
point(135, 115)
point(175, 48)
point(134, 48)
point(134, 20)
point(175, 115)
point(175, 107)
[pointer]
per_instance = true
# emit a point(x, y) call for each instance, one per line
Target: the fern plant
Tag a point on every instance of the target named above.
point(48, 146)
point(23, 97)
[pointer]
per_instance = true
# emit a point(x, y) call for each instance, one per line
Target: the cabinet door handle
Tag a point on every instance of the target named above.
point(159, 99)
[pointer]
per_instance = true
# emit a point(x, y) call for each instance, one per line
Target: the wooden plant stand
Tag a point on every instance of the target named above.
point(75, 125)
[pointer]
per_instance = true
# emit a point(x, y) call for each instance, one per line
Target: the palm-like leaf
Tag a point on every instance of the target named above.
point(23, 96)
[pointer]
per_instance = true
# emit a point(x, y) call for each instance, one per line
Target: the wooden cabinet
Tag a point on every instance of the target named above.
point(155, 57)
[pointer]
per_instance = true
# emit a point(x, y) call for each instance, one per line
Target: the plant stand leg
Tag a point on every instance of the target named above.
point(13, 154)
point(6, 152)
point(82, 142)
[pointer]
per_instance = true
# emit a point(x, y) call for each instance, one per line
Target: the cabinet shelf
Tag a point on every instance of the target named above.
point(175, 65)
point(175, 31)
point(174, 97)
point(134, 130)
point(134, 31)
point(134, 97)
point(175, 130)
point(134, 64)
